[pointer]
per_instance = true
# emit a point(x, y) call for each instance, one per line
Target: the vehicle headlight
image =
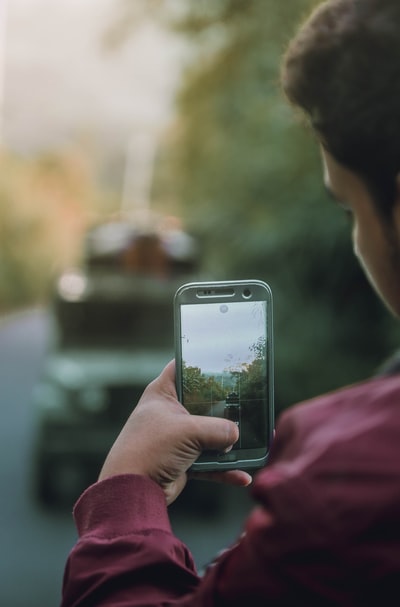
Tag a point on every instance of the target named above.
point(72, 285)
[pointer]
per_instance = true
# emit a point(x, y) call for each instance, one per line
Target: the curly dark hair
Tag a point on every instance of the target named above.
point(343, 70)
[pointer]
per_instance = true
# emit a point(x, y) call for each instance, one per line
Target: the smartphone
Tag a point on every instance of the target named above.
point(224, 364)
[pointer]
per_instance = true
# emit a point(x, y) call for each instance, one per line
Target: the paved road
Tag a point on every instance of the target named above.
point(35, 542)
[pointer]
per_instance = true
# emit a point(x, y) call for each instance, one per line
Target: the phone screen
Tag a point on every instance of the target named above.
point(224, 368)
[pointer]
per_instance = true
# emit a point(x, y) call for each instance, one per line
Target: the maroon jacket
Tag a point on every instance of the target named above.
point(325, 530)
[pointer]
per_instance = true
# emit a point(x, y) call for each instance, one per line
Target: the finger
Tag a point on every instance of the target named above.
point(165, 382)
point(239, 478)
point(172, 490)
point(167, 375)
point(169, 371)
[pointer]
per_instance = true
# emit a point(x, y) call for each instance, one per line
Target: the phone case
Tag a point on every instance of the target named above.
point(224, 364)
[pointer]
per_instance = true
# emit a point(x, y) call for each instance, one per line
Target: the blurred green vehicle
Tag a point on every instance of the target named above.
point(112, 334)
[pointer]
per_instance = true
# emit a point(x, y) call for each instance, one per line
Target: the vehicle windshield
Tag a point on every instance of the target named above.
point(128, 324)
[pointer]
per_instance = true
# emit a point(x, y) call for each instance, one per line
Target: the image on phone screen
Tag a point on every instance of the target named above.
point(224, 366)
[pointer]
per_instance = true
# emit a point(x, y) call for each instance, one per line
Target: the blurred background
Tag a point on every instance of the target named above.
point(145, 143)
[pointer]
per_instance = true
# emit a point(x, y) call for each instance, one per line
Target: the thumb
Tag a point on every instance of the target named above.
point(215, 432)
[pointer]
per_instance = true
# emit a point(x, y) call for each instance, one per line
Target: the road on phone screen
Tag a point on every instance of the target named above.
point(35, 541)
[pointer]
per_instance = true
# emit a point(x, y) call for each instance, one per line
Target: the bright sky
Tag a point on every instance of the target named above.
point(60, 80)
point(216, 336)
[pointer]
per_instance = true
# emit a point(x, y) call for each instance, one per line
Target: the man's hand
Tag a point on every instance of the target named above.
point(162, 440)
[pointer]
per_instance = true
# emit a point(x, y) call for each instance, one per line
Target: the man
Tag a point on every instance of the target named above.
point(326, 527)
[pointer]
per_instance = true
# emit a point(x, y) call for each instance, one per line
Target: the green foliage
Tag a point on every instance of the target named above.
point(45, 203)
point(252, 378)
point(250, 178)
point(200, 391)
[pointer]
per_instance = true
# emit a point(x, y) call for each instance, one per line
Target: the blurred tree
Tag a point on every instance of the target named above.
point(45, 205)
point(249, 182)
point(250, 185)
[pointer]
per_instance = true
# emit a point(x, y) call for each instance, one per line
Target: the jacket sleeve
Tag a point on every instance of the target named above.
point(311, 538)
point(126, 553)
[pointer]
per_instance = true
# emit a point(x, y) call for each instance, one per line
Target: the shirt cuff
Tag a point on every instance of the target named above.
point(120, 505)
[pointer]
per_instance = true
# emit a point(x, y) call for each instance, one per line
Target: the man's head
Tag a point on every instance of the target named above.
point(343, 70)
